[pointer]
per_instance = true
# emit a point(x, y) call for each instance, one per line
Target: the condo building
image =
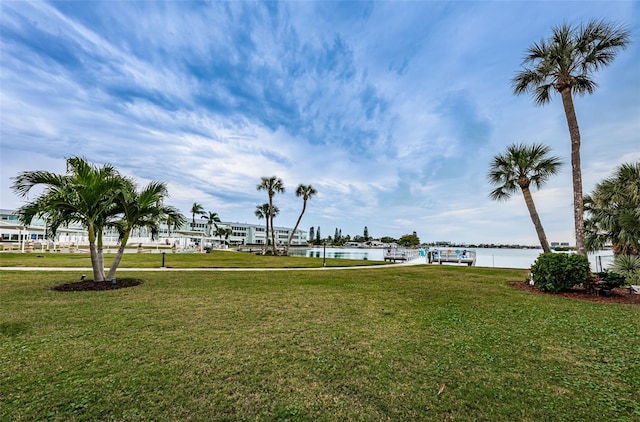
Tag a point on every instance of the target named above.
point(15, 235)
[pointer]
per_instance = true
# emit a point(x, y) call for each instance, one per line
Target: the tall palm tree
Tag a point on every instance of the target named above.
point(212, 219)
point(306, 192)
point(272, 185)
point(613, 211)
point(141, 209)
point(196, 209)
point(262, 211)
point(519, 167)
point(565, 63)
point(86, 195)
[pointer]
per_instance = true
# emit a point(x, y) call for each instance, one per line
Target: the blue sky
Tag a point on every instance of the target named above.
point(391, 110)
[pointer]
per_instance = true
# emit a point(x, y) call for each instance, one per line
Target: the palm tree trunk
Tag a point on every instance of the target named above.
point(528, 199)
point(576, 171)
point(100, 254)
point(273, 232)
point(95, 263)
point(304, 206)
point(624, 249)
point(118, 257)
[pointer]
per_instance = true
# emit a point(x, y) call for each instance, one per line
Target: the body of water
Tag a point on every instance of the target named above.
point(485, 257)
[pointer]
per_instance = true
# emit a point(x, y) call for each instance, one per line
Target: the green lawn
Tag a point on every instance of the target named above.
point(217, 259)
point(400, 343)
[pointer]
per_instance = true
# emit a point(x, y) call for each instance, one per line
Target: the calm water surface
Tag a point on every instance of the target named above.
point(485, 257)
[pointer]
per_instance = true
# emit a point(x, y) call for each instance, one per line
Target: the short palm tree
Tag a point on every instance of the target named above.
point(141, 209)
point(86, 194)
point(613, 212)
point(262, 211)
point(212, 219)
point(97, 198)
point(519, 167)
point(196, 209)
point(306, 192)
point(272, 185)
point(565, 63)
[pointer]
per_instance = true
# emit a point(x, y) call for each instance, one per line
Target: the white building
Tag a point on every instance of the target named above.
point(251, 234)
point(185, 237)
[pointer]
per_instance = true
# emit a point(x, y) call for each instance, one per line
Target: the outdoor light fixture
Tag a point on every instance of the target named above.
point(324, 254)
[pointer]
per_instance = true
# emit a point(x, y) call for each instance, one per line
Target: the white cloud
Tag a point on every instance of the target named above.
point(392, 113)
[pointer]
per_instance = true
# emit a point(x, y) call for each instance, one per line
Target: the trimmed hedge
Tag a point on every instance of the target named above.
point(556, 272)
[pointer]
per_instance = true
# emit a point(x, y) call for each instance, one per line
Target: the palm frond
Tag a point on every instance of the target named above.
point(568, 58)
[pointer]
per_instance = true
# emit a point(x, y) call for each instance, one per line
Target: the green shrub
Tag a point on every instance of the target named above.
point(610, 280)
point(555, 272)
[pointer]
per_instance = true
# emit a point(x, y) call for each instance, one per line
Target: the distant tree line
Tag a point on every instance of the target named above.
point(339, 240)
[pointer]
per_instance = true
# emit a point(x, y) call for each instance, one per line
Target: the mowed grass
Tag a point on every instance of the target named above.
point(390, 343)
point(216, 259)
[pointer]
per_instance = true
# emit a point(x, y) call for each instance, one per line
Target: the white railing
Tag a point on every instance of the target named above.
point(457, 256)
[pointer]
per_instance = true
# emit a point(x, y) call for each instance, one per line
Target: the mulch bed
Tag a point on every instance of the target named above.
point(90, 285)
point(617, 295)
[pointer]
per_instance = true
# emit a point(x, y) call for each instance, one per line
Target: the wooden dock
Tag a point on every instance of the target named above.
point(452, 256)
point(395, 254)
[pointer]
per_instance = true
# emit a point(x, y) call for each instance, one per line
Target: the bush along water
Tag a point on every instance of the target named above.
point(556, 272)
point(609, 280)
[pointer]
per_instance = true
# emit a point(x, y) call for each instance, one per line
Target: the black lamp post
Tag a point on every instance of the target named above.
point(324, 254)
point(163, 259)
